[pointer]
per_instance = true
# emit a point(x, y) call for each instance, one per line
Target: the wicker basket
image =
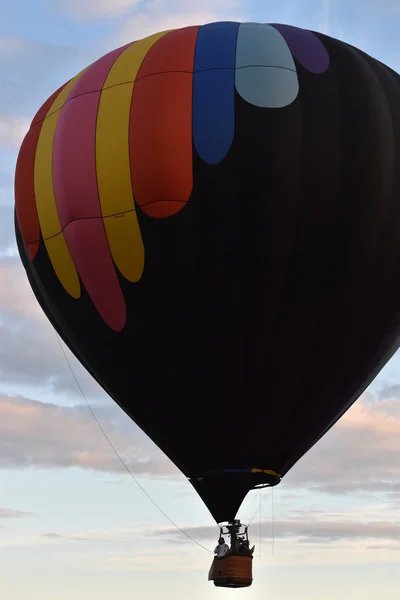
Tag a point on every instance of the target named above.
point(233, 571)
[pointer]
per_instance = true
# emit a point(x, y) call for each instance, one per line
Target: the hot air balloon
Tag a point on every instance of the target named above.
point(210, 219)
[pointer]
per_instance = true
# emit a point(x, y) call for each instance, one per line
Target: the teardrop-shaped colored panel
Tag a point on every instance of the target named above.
point(76, 192)
point(214, 90)
point(161, 125)
point(25, 202)
point(50, 225)
point(265, 70)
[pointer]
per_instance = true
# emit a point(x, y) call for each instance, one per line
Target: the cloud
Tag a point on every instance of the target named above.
point(131, 547)
point(158, 15)
point(13, 130)
point(74, 537)
point(29, 351)
point(7, 513)
point(202, 533)
point(156, 562)
point(147, 555)
point(7, 237)
point(358, 455)
point(325, 17)
point(103, 536)
point(311, 529)
point(303, 533)
point(99, 8)
point(306, 529)
point(16, 297)
point(320, 531)
point(30, 356)
point(30, 71)
point(160, 10)
point(390, 391)
point(45, 435)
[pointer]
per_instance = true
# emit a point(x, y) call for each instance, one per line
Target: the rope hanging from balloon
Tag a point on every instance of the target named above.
point(259, 545)
point(269, 494)
point(273, 520)
point(125, 466)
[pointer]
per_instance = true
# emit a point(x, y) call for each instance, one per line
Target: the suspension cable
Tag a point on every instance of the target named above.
point(125, 466)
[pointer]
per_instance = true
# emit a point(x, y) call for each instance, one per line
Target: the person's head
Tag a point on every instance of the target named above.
point(221, 540)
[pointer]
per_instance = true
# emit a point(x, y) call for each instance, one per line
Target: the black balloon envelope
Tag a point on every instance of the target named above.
point(210, 219)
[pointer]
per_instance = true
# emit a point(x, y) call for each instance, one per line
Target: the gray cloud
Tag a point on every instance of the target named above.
point(7, 237)
point(72, 538)
point(382, 547)
point(103, 536)
point(16, 297)
point(391, 391)
point(7, 513)
point(12, 131)
point(202, 533)
point(30, 353)
point(306, 530)
point(98, 8)
point(30, 356)
point(160, 10)
point(358, 455)
point(30, 71)
point(39, 434)
point(160, 15)
point(366, 527)
point(7, 182)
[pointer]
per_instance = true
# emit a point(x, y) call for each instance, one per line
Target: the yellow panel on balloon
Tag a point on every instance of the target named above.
point(126, 244)
point(46, 206)
point(113, 162)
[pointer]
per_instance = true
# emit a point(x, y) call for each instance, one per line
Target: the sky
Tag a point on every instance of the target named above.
point(73, 523)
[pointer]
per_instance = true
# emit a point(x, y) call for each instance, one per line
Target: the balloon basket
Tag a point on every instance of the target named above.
point(232, 571)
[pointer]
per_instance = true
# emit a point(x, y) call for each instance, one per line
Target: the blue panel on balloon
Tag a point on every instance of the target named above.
point(214, 90)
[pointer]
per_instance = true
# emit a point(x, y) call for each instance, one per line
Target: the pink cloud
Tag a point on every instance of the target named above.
point(45, 435)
